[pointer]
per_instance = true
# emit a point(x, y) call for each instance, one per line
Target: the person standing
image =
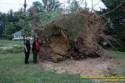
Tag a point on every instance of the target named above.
point(35, 49)
point(26, 48)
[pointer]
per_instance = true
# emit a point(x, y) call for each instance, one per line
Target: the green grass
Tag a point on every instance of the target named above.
point(10, 43)
point(7, 46)
point(15, 49)
point(13, 70)
point(121, 57)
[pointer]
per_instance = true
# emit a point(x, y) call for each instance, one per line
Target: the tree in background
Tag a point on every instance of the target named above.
point(115, 15)
point(50, 5)
point(8, 23)
point(12, 22)
point(45, 11)
point(2, 23)
point(74, 6)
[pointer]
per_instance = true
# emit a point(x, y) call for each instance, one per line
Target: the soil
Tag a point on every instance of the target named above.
point(87, 67)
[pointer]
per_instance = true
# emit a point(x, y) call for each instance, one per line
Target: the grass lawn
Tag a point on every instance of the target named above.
point(10, 43)
point(13, 70)
point(121, 57)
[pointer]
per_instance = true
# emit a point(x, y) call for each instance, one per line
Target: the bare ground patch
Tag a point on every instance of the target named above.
point(88, 67)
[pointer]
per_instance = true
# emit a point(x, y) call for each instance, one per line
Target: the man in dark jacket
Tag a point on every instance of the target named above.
point(35, 49)
point(26, 48)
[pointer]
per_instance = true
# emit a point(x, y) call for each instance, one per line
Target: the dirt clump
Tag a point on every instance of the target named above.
point(73, 36)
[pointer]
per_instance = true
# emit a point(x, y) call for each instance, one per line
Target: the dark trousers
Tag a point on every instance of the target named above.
point(35, 54)
point(27, 57)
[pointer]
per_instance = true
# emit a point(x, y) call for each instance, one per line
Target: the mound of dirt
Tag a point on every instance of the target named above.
point(72, 36)
point(59, 45)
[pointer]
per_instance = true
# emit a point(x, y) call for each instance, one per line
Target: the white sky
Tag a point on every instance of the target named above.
point(6, 5)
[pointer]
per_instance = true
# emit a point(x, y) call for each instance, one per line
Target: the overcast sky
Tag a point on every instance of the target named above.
point(6, 5)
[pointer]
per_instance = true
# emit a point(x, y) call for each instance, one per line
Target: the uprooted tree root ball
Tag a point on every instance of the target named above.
point(73, 36)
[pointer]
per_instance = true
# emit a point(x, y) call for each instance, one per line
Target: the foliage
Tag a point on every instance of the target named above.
point(9, 23)
point(117, 15)
point(11, 28)
point(49, 16)
point(50, 5)
point(74, 6)
point(3, 21)
point(26, 26)
point(115, 19)
point(44, 11)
